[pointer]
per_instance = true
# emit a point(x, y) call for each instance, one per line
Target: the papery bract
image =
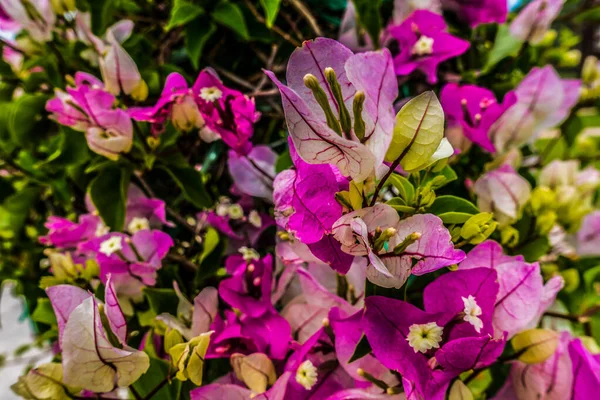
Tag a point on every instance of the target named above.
point(479, 11)
point(40, 25)
point(586, 371)
point(503, 192)
point(66, 234)
point(253, 173)
point(535, 19)
point(543, 101)
point(119, 71)
point(588, 236)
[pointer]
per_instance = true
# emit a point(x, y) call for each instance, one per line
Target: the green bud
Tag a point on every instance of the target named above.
point(549, 38)
point(542, 197)
point(357, 109)
point(383, 237)
point(336, 89)
point(311, 82)
point(572, 280)
point(571, 58)
point(478, 228)
point(545, 221)
point(589, 72)
point(509, 236)
point(585, 145)
point(410, 239)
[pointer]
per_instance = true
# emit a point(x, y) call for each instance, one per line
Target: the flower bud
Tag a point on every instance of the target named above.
point(185, 114)
point(410, 239)
point(509, 236)
point(571, 58)
point(311, 82)
point(534, 346)
point(589, 72)
point(478, 228)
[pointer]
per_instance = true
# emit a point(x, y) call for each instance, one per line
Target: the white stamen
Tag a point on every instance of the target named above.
point(138, 224)
point(254, 219)
point(423, 46)
point(210, 93)
point(249, 254)
point(472, 312)
point(423, 337)
point(307, 375)
point(111, 245)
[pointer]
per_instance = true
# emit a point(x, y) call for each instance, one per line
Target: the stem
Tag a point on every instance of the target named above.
point(387, 175)
point(182, 260)
point(569, 317)
point(135, 393)
point(274, 28)
point(305, 12)
point(157, 388)
point(259, 169)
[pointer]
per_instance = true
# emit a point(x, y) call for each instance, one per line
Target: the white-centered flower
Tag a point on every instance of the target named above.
point(111, 245)
point(101, 229)
point(254, 219)
point(472, 312)
point(249, 254)
point(210, 93)
point(423, 337)
point(138, 224)
point(307, 375)
point(423, 46)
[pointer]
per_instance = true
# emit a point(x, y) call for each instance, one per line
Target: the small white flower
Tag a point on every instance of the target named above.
point(138, 224)
point(472, 312)
point(111, 245)
point(423, 46)
point(254, 219)
point(235, 211)
point(210, 93)
point(423, 337)
point(307, 375)
point(249, 254)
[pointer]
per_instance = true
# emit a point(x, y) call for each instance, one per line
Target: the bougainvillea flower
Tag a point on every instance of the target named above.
point(39, 24)
point(80, 106)
point(503, 192)
point(588, 236)
point(416, 342)
point(177, 103)
point(66, 234)
point(306, 312)
point(90, 360)
point(249, 288)
point(535, 19)
point(142, 212)
point(522, 298)
point(475, 110)
point(253, 173)
point(232, 391)
point(227, 112)
point(314, 129)
point(550, 379)
point(119, 71)
point(132, 261)
point(424, 44)
point(113, 135)
point(586, 371)
point(479, 11)
point(544, 100)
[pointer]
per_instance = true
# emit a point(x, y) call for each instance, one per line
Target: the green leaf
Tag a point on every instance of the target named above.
point(591, 276)
point(162, 300)
point(533, 250)
point(24, 116)
point(108, 192)
point(591, 15)
point(452, 209)
point(159, 370)
point(211, 241)
point(362, 349)
point(284, 161)
point(44, 312)
point(231, 16)
point(551, 149)
point(369, 17)
point(190, 182)
point(182, 13)
point(405, 189)
point(418, 132)
point(100, 11)
point(505, 45)
point(196, 35)
point(72, 150)
point(398, 204)
point(271, 8)
point(15, 209)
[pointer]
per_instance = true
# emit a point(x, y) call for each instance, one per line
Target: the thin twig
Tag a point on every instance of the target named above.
point(233, 77)
point(305, 12)
point(274, 28)
point(264, 93)
point(183, 261)
point(268, 66)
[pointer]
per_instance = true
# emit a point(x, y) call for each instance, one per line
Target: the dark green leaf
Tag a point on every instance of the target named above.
point(24, 116)
point(108, 192)
point(162, 300)
point(15, 210)
point(231, 16)
point(452, 209)
point(284, 161)
point(182, 13)
point(159, 371)
point(271, 8)
point(190, 182)
point(399, 204)
point(406, 190)
point(73, 148)
point(197, 34)
point(533, 250)
point(362, 349)
point(592, 15)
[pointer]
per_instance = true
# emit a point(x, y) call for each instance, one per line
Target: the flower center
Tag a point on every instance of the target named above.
point(307, 375)
point(423, 46)
point(423, 337)
point(249, 254)
point(210, 93)
point(472, 312)
point(111, 245)
point(138, 224)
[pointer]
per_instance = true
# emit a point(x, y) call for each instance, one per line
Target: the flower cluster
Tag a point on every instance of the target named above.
point(408, 212)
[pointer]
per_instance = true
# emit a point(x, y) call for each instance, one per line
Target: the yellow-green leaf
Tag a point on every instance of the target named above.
point(418, 132)
point(535, 345)
point(255, 370)
point(460, 391)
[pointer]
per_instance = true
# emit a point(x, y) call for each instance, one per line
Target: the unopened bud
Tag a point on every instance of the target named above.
point(336, 89)
point(357, 109)
point(589, 72)
point(311, 82)
point(410, 239)
point(478, 228)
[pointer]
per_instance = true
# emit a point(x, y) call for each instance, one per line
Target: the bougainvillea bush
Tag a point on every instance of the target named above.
point(230, 199)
